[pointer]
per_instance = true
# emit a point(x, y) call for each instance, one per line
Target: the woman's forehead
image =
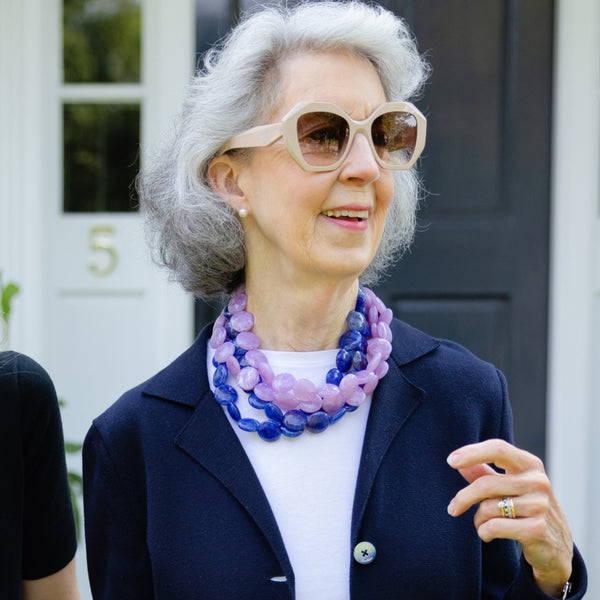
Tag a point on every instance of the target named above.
point(342, 78)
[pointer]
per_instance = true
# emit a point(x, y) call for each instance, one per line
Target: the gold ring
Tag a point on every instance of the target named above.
point(507, 507)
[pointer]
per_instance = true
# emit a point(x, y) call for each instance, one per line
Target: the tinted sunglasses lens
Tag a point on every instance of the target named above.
point(395, 137)
point(322, 137)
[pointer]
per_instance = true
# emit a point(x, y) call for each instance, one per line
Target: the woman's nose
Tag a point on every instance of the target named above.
point(360, 163)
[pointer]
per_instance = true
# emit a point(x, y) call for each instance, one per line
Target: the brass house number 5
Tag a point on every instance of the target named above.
point(103, 256)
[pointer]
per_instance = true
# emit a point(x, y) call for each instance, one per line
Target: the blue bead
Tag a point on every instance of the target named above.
point(294, 420)
point(334, 376)
point(337, 415)
point(215, 363)
point(231, 332)
point(227, 313)
point(359, 361)
point(289, 433)
point(248, 424)
point(317, 422)
point(269, 431)
point(361, 301)
point(352, 340)
point(221, 374)
point(343, 360)
point(273, 412)
point(239, 352)
point(350, 408)
point(256, 402)
point(225, 394)
point(358, 322)
point(234, 411)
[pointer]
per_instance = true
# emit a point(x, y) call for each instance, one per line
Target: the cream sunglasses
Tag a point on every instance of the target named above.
point(318, 135)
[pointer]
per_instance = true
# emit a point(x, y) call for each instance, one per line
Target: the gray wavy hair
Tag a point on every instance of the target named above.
point(192, 230)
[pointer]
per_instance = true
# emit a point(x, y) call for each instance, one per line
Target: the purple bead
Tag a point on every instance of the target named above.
point(386, 316)
point(220, 375)
point(357, 398)
point(332, 400)
point(312, 404)
point(237, 303)
point(373, 315)
point(348, 385)
point(379, 346)
point(242, 321)
point(247, 340)
point(374, 362)
point(266, 372)
point(283, 382)
point(382, 370)
point(371, 383)
point(265, 392)
point(219, 336)
point(273, 412)
point(385, 331)
point(248, 424)
point(220, 321)
point(233, 366)
point(317, 422)
point(224, 351)
point(225, 394)
point(248, 378)
point(294, 420)
point(255, 358)
point(304, 390)
point(286, 400)
point(269, 431)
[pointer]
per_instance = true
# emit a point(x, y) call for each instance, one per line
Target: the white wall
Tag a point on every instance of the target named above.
point(574, 355)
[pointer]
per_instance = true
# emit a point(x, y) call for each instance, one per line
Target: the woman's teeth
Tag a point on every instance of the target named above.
point(353, 214)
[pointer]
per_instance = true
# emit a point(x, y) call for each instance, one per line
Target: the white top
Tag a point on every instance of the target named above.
point(309, 481)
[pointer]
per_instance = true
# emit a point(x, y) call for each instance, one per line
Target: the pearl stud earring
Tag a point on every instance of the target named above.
point(243, 213)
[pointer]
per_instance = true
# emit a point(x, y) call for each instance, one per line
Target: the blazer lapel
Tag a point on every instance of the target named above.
point(209, 439)
point(394, 401)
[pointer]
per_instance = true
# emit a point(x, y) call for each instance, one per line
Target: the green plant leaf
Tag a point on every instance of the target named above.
point(72, 448)
point(8, 293)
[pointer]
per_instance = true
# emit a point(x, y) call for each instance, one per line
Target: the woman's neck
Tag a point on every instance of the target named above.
point(300, 318)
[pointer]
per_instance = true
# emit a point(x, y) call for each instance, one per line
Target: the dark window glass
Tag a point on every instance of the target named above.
point(101, 41)
point(101, 144)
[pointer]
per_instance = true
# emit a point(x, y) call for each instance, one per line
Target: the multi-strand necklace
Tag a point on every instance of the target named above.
point(292, 405)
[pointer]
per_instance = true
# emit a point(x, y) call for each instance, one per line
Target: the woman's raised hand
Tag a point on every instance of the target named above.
point(531, 514)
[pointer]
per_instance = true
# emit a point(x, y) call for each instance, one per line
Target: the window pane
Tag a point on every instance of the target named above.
point(101, 143)
point(101, 41)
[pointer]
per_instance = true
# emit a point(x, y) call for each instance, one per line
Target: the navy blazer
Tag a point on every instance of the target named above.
point(174, 509)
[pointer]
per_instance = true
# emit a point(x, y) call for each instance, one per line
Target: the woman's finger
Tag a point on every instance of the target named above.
point(524, 507)
point(498, 452)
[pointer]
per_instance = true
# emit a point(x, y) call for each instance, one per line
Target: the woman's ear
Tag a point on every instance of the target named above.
point(222, 175)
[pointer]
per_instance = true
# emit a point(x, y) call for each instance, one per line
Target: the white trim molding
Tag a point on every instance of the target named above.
point(574, 358)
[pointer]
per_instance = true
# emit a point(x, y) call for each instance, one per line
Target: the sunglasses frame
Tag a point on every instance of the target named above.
point(265, 135)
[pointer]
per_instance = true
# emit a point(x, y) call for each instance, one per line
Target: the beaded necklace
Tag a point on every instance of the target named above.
point(293, 406)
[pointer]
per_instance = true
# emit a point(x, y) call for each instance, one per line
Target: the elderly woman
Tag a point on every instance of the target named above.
point(308, 445)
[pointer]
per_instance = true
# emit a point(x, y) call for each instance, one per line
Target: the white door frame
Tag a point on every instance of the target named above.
point(574, 326)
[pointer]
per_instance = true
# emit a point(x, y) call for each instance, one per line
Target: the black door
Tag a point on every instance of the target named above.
point(478, 271)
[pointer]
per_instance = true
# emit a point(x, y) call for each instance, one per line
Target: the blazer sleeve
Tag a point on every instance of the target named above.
point(115, 524)
point(523, 586)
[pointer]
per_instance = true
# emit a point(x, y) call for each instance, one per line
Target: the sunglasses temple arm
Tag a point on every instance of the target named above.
point(257, 137)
